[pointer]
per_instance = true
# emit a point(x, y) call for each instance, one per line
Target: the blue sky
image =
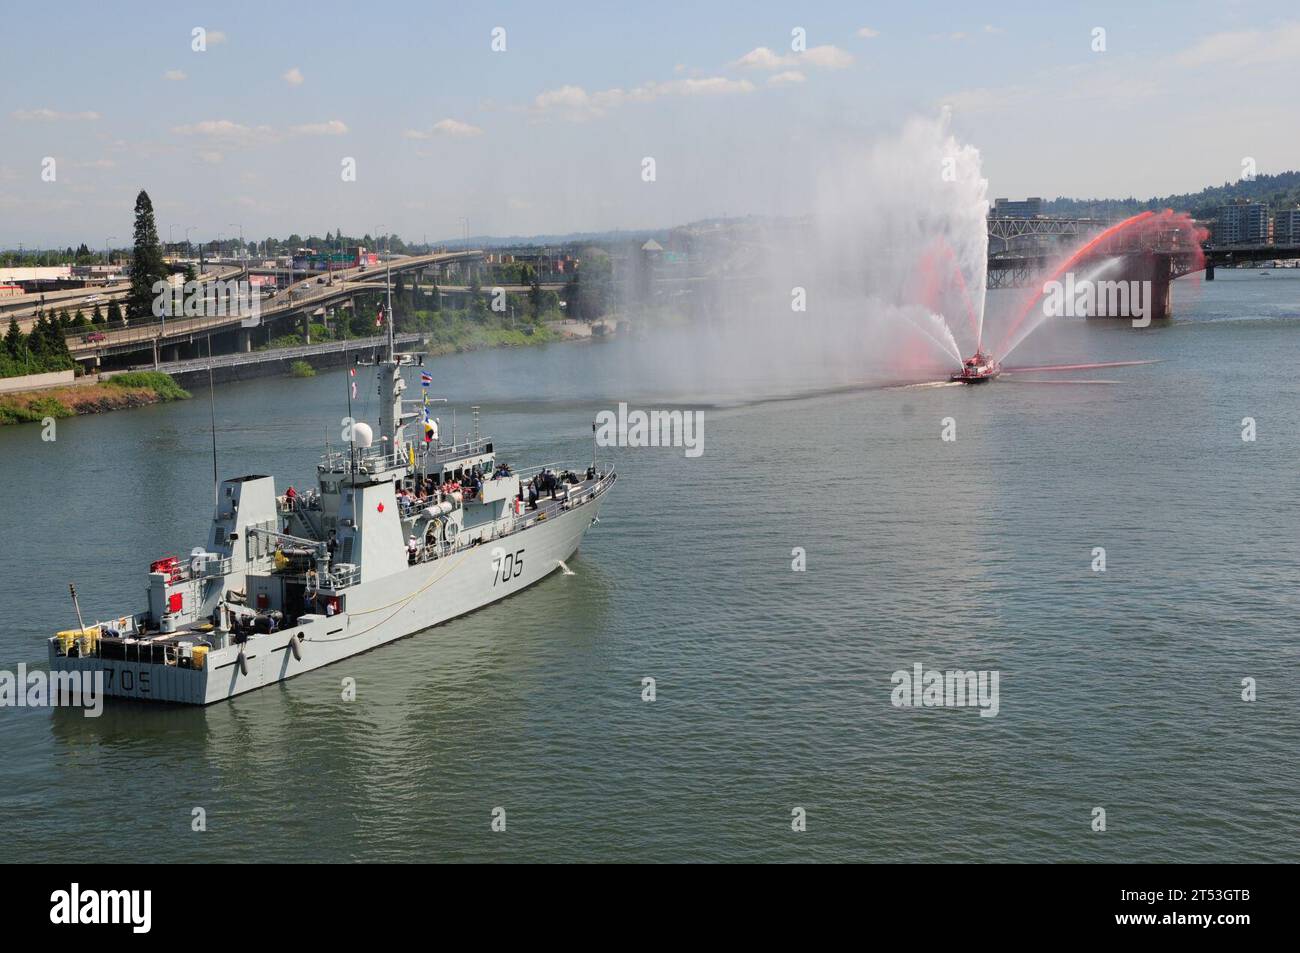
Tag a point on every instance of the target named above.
point(548, 136)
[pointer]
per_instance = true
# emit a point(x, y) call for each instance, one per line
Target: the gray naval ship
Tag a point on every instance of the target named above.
point(400, 535)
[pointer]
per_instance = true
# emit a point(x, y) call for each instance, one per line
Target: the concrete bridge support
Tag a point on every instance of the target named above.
point(1160, 269)
point(1155, 271)
point(244, 340)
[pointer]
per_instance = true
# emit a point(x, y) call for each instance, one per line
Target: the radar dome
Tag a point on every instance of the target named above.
point(362, 435)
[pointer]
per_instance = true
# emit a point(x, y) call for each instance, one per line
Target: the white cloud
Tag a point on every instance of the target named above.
point(577, 105)
point(867, 33)
point(456, 128)
point(52, 115)
point(990, 28)
point(825, 57)
point(334, 127)
point(763, 58)
point(1244, 47)
point(211, 156)
point(213, 127)
point(216, 37)
point(709, 86)
point(446, 127)
point(225, 131)
point(293, 76)
point(175, 75)
point(788, 78)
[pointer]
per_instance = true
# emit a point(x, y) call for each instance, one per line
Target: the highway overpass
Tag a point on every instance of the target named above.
point(301, 297)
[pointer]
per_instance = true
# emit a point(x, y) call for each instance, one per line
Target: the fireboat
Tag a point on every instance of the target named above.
point(977, 370)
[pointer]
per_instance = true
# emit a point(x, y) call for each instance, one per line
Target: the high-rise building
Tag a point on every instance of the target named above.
point(1243, 223)
point(1286, 226)
point(1031, 207)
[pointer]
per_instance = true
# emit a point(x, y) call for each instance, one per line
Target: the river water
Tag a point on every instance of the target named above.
point(1119, 690)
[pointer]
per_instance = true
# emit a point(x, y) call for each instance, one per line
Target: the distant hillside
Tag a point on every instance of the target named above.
point(1279, 191)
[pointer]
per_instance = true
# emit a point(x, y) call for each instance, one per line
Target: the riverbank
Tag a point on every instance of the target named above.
point(141, 388)
point(120, 392)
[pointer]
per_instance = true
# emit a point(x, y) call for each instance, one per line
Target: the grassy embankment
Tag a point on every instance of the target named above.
point(447, 331)
point(134, 389)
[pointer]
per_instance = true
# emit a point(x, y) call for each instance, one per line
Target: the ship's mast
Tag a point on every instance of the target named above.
point(388, 285)
point(390, 416)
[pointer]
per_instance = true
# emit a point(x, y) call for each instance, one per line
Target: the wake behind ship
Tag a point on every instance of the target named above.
point(397, 537)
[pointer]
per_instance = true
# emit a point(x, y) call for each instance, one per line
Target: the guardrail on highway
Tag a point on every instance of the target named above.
point(285, 353)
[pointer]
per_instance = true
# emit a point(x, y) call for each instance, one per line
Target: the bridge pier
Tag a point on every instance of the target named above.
point(1209, 269)
point(1160, 269)
point(306, 328)
point(244, 340)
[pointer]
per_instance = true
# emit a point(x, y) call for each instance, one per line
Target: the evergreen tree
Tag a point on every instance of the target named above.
point(97, 316)
point(14, 339)
point(573, 297)
point(478, 305)
point(38, 341)
point(115, 319)
point(535, 296)
point(147, 265)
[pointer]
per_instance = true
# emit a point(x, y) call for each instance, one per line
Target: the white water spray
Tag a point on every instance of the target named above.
point(883, 278)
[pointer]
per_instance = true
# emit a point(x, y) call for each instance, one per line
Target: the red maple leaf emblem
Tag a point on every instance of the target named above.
point(381, 507)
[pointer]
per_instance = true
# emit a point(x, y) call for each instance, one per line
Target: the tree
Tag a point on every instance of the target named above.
point(477, 303)
point(115, 319)
point(535, 296)
point(147, 265)
point(38, 341)
point(573, 297)
point(97, 316)
point(595, 278)
point(14, 339)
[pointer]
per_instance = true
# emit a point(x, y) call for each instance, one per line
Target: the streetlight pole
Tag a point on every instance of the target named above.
point(189, 252)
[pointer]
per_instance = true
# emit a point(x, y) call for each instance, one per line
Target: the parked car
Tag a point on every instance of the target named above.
point(94, 337)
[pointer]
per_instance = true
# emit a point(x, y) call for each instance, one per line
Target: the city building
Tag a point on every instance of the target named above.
point(1243, 223)
point(1286, 226)
point(1031, 207)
